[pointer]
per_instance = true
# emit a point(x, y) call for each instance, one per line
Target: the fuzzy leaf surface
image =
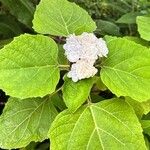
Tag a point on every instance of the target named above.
point(25, 120)
point(61, 18)
point(143, 23)
point(29, 67)
point(75, 94)
point(106, 125)
point(126, 70)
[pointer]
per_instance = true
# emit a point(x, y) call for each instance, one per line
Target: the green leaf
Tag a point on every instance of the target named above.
point(22, 9)
point(31, 146)
point(146, 107)
point(25, 120)
point(62, 59)
point(109, 38)
point(143, 23)
point(126, 70)
point(100, 85)
point(137, 40)
point(9, 27)
point(110, 124)
point(58, 102)
point(129, 18)
point(29, 67)
point(61, 18)
point(146, 126)
point(95, 98)
point(136, 106)
point(140, 108)
point(107, 27)
point(75, 94)
point(147, 142)
point(4, 42)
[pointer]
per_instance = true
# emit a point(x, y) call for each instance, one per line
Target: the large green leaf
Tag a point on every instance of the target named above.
point(22, 9)
point(61, 18)
point(25, 120)
point(126, 70)
point(143, 23)
point(29, 67)
point(110, 124)
point(75, 94)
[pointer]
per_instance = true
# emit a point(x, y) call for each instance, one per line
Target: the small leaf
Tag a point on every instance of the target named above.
point(110, 124)
point(129, 18)
point(22, 9)
point(100, 85)
point(29, 67)
point(24, 121)
point(143, 23)
point(61, 18)
point(75, 94)
point(126, 70)
point(106, 27)
point(62, 59)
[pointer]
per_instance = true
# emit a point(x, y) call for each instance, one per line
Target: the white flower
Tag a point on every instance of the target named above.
point(83, 50)
point(85, 46)
point(81, 69)
point(102, 48)
point(72, 48)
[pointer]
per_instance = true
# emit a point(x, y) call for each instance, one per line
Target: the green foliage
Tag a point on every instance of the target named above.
point(140, 108)
point(29, 67)
point(110, 123)
point(61, 56)
point(9, 27)
point(28, 121)
point(61, 18)
point(34, 68)
point(75, 94)
point(129, 18)
point(23, 10)
point(126, 70)
point(107, 27)
point(146, 126)
point(58, 102)
point(4, 42)
point(143, 23)
point(137, 40)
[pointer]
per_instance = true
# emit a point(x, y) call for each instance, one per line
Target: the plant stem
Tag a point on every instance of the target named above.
point(89, 100)
point(64, 67)
point(55, 92)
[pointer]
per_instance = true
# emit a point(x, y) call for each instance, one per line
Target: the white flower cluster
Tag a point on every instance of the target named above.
point(83, 51)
